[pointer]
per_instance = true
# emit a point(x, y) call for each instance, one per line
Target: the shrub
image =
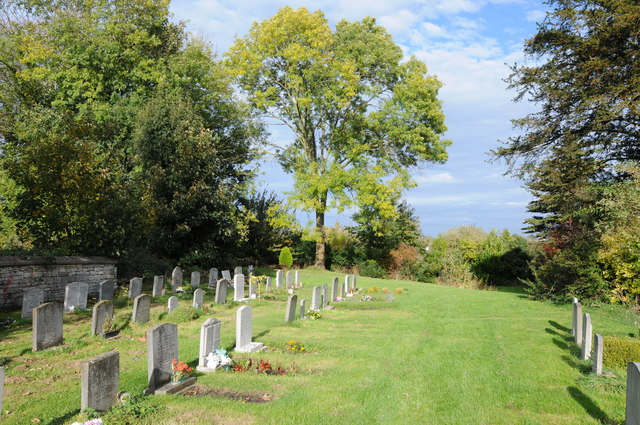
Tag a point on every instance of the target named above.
point(619, 351)
point(183, 314)
point(399, 291)
point(385, 290)
point(285, 259)
point(371, 268)
point(372, 290)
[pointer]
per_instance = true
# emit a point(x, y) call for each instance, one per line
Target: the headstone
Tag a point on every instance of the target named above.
point(597, 354)
point(290, 314)
point(105, 290)
point(586, 336)
point(198, 298)
point(253, 293)
point(577, 313)
point(343, 290)
point(315, 298)
point(195, 279)
point(353, 282)
point(244, 332)
point(574, 320)
point(100, 382)
point(162, 348)
point(75, 296)
point(102, 312)
point(172, 304)
point(47, 326)
point(135, 287)
point(158, 283)
point(347, 282)
point(632, 413)
point(176, 279)
point(31, 298)
point(267, 284)
point(303, 308)
point(237, 270)
point(1, 387)
point(213, 277)
point(334, 288)
point(279, 281)
point(325, 296)
point(221, 291)
point(209, 341)
point(238, 287)
point(226, 274)
point(297, 279)
point(251, 270)
point(289, 279)
point(141, 308)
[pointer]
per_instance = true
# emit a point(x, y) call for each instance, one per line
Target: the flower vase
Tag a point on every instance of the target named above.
point(176, 379)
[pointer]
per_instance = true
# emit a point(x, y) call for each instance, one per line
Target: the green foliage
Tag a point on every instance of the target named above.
point(285, 258)
point(360, 116)
point(371, 268)
point(619, 351)
point(183, 314)
point(131, 410)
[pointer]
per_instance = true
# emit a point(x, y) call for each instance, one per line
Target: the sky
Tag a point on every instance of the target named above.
point(469, 45)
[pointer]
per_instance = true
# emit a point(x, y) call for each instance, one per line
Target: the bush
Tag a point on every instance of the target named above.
point(285, 259)
point(619, 351)
point(183, 314)
point(371, 268)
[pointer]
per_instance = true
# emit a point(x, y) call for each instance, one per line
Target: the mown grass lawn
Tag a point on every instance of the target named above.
point(434, 355)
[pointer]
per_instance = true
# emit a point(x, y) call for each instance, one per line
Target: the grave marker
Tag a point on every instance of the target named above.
point(251, 270)
point(267, 284)
point(597, 354)
point(176, 278)
point(75, 296)
point(253, 292)
point(353, 282)
point(586, 336)
point(315, 298)
point(100, 381)
point(226, 274)
point(574, 319)
point(209, 341)
point(47, 326)
point(244, 332)
point(303, 308)
point(334, 288)
point(162, 348)
point(577, 313)
point(195, 279)
point(325, 296)
point(135, 287)
point(141, 307)
point(172, 304)
point(347, 283)
point(31, 298)
point(237, 270)
point(279, 284)
point(198, 298)
point(221, 291)
point(289, 279)
point(632, 413)
point(158, 284)
point(213, 277)
point(290, 314)
point(105, 290)
point(102, 312)
point(297, 279)
point(238, 287)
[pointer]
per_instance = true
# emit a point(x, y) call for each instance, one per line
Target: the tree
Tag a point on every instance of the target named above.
point(285, 259)
point(359, 115)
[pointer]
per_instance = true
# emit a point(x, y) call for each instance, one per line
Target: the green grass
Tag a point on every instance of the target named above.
point(434, 355)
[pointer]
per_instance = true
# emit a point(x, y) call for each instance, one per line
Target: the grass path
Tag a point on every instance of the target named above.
point(435, 355)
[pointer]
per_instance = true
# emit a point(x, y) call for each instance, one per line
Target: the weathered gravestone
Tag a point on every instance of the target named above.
point(315, 298)
point(303, 308)
point(253, 292)
point(597, 354)
point(238, 287)
point(158, 284)
point(198, 298)
point(289, 276)
point(226, 274)
point(221, 291)
point(577, 313)
point(47, 326)
point(1, 387)
point(297, 279)
point(632, 413)
point(75, 296)
point(353, 282)
point(102, 312)
point(209, 342)
point(334, 288)
point(237, 270)
point(162, 348)
point(105, 290)
point(100, 382)
point(574, 319)
point(172, 304)
point(135, 287)
point(31, 298)
point(141, 307)
point(279, 284)
point(244, 332)
point(213, 277)
point(176, 279)
point(290, 314)
point(343, 290)
point(195, 279)
point(347, 283)
point(586, 336)
point(325, 296)
point(267, 284)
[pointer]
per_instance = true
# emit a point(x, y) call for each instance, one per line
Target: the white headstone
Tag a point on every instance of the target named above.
point(209, 341)
point(279, 283)
point(172, 304)
point(297, 279)
point(290, 314)
point(303, 308)
point(315, 298)
point(574, 321)
point(75, 296)
point(238, 285)
point(347, 282)
point(237, 270)
point(586, 336)
point(31, 298)
point(244, 332)
point(289, 279)
point(577, 312)
point(325, 296)
point(226, 274)
point(221, 291)
point(198, 298)
point(267, 284)
point(334, 288)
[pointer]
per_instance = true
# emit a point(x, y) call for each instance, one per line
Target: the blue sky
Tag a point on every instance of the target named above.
point(468, 45)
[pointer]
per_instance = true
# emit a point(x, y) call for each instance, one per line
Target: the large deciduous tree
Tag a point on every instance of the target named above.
point(361, 116)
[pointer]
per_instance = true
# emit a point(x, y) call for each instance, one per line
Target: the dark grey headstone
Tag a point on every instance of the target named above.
point(47, 326)
point(135, 287)
point(198, 298)
point(574, 318)
point(102, 312)
point(100, 381)
point(105, 290)
point(290, 314)
point(31, 298)
point(632, 413)
point(598, 347)
point(176, 278)
point(162, 348)
point(141, 309)
point(172, 304)
point(195, 279)
point(213, 277)
point(221, 291)
point(209, 340)
point(75, 296)
point(158, 284)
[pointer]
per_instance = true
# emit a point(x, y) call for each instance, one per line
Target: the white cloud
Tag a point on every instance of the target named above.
point(436, 178)
point(536, 15)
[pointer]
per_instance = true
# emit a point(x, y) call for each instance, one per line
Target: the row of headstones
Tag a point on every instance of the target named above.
point(177, 276)
point(320, 297)
point(582, 332)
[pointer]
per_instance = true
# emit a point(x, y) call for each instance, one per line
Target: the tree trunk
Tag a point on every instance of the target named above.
point(320, 244)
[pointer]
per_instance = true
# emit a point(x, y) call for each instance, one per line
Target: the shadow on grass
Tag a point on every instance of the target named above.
point(584, 369)
point(263, 333)
point(560, 344)
point(559, 326)
point(591, 407)
point(552, 331)
point(62, 420)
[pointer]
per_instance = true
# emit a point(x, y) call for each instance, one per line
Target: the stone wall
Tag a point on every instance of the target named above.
point(52, 274)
